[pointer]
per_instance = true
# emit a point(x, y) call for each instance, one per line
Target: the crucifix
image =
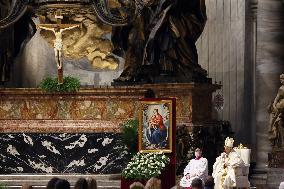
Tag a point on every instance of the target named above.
point(58, 29)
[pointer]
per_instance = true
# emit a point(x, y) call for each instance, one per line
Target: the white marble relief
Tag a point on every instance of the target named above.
point(17, 169)
point(42, 156)
point(10, 136)
point(40, 166)
point(28, 139)
point(102, 162)
point(49, 146)
point(50, 155)
point(76, 163)
point(81, 142)
point(92, 151)
point(12, 150)
point(98, 139)
point(63, 135)
point(107, 141)
point(3, 158)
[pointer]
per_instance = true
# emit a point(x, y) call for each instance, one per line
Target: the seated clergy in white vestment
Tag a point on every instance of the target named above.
point(224, 167)
point(281, 186)
point(196, 168)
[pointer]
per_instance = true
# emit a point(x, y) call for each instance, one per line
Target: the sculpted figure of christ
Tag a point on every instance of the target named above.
point(58, 42)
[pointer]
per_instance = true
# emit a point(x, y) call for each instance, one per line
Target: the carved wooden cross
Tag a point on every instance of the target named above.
point(58, 29)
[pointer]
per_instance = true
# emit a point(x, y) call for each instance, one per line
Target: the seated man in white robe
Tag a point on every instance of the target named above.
point(196, 168)
point(224, 167)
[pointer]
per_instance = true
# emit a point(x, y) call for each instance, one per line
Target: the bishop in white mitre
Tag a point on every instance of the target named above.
point(196, 168)
point(224, 167)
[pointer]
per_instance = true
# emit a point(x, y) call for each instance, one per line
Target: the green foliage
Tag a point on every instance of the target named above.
point(70, 84)
point(129, 135)
point(3, 186)
point(145, 166)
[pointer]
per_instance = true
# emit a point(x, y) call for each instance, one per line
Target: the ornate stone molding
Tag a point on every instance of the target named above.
point(59, 126)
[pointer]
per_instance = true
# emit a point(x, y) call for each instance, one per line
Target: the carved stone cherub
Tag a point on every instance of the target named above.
point(276, 124)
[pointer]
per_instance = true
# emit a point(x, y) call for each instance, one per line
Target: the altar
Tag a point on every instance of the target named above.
point(81, 130)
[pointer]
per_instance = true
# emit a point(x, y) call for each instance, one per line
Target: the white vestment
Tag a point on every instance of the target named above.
point(281, 186)
point(225, 178)
point(195, 169)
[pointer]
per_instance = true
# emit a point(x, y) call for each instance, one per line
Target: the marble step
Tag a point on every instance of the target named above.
point(39, 181)
point(43, 187)
point(63, 176)
point(44, 182)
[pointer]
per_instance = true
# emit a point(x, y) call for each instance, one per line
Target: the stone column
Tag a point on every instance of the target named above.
point(269, 65)
point(249, 71)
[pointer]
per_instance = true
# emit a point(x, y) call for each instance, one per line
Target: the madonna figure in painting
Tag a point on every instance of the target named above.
point(157, 130)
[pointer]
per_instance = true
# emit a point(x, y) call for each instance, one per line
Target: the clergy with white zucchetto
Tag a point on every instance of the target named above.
point(196, 168)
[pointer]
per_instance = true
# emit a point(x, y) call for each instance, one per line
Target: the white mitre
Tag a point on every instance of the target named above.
point(229, 142)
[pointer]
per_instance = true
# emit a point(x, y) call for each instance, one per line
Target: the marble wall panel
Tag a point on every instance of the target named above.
point(106, 104)
point(59, 126)
point(97, 153)
point(75, 109)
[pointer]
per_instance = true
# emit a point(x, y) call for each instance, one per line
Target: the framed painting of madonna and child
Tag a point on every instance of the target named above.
point(155, 125)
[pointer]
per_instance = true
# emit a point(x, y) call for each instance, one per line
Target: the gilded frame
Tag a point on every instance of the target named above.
point(155, 135)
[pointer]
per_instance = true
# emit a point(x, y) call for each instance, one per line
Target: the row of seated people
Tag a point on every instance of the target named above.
point(57, 183)
point(230, 170)
point(155, 183)
point(152, 183)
